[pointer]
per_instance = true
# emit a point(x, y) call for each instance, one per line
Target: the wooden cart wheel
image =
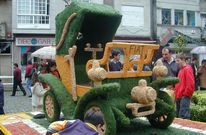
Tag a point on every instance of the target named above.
point(109, 118)
point(164, 120)
point(51, 107)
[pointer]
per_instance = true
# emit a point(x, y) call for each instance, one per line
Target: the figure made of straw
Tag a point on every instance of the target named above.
point(160, 70)
point(96, 73)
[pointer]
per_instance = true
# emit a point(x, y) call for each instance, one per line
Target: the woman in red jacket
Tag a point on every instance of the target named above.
point(185, 88)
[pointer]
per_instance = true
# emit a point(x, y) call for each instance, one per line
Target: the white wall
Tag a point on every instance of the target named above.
point(132, 30)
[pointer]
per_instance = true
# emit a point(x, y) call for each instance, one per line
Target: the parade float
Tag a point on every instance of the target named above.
point(84, 34)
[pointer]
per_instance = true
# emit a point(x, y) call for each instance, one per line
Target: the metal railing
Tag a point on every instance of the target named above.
point(7, 77)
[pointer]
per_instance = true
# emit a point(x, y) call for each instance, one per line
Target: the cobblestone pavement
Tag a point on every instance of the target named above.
point(18, 103)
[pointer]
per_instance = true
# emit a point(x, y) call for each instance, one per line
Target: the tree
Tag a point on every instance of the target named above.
point(180, 42)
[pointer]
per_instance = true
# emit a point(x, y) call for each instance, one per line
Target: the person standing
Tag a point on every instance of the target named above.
point(17, 80)
point(202, 75)
point(169, 61)
point(194, 68)
point(115, 64)
point(1, 98)
point(185, 88)
point(28, 77)
point(37, 93)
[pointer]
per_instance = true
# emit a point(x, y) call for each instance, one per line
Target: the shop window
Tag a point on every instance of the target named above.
point(26, 52)
point(178, 17)
point(5, 48)
point(191, 18)
point(33, 13)
point(166, 16)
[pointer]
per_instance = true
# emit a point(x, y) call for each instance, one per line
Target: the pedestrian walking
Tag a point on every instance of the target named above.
point(1, 98)
point(28, 76)
point(17, 81)
point(185, 88)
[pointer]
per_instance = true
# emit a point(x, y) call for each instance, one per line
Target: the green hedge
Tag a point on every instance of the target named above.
point(198, 106)
point(97, 23)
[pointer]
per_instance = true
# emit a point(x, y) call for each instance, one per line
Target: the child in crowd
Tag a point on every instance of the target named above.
point(115, 64)
point(37, 93)
point(52, 68)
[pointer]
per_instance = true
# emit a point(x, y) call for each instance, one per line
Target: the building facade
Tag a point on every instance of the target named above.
point(203, 18)
point(178, 17)
point(30, 24)
point(33, 26)
point(5, 38)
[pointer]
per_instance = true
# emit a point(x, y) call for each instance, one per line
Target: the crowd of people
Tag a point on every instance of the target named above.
point(191, 77)
point(35, 88)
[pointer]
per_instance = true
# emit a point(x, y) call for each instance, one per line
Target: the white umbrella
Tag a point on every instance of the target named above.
point(199, 50)
point(47, 52)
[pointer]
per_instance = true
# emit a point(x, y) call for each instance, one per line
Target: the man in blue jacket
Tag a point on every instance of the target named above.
point(1, 98)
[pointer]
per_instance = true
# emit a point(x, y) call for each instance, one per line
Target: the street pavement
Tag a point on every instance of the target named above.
point(18, 103)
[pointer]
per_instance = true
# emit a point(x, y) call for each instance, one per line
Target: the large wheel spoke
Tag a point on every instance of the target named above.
point(49, 106)
point(166, 118)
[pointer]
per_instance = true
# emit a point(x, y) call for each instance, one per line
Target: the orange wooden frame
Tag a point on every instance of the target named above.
point(146, 52)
